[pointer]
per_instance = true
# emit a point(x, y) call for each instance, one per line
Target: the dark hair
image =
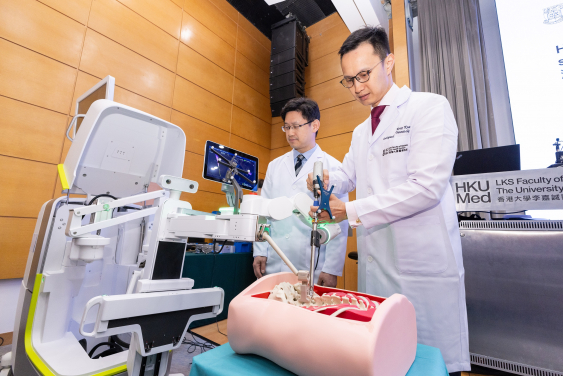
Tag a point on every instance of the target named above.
point(307, 107)
point(376, 36)
point(260, 183)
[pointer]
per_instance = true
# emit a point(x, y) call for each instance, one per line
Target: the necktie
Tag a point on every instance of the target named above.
point(375, 114)
point(299, 164)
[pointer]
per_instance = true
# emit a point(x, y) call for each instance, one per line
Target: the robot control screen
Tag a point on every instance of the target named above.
point(217, 159)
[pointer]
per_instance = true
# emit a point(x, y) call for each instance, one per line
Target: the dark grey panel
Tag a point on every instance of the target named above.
point(514, 290)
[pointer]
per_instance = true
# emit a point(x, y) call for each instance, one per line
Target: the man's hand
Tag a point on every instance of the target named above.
point(327, 280)
point(310, 180)
point(259, 266)
point(337, 207)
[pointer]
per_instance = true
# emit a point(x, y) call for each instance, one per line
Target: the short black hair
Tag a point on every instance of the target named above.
point(307, 107)
point(376, 36)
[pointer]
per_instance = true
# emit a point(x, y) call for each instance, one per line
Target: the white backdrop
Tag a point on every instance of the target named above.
point(534, 72)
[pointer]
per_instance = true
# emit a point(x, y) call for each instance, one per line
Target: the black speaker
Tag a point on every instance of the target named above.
point(285, 56)
point(290, 50)
point(293, 77)
point(277, 107)
point(288, 34)
point(286, 67)
point(286, 93)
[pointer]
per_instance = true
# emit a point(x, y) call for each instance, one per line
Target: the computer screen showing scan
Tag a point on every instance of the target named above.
point(215, 168)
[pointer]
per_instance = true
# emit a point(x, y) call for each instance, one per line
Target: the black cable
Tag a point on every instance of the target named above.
point(119, 341)
point(102, 195)
point(2, 341)
point(318, 254)
point(219, 330)
point(194, 344)
point(220, 250)
point(111, 345)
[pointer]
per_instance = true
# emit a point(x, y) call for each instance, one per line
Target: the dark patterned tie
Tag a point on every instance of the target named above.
point(299, 164)
point(375, 114)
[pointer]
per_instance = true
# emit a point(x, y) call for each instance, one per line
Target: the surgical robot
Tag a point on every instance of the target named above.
point(111, 263)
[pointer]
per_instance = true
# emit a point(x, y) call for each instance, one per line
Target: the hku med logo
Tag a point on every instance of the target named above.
point(472, 192)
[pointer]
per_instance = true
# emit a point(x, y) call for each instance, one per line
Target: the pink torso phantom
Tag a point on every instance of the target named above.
point(338, 333)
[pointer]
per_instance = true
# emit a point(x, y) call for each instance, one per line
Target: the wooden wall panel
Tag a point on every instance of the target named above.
point(399, 45)
point(205, 201)
point(327, 42)
point(342, 118)
point(278, 138)
point(226, 8)
point(121, 24)
point(329, 94)
point(201, 104)
point(193, 170)
point(102, 56)
point(253, 50)
point(85, 81)
point(25, 187)
point(204, 41)
point(15, 240)
point(209, 16)
point(179, 3)
point(197, 132)
point(337, 146)
point(247, 26)
point(262, 153)
point(204, 73)
point(42, 29)
point(31, 132)
point(163, 13)
point(33, 78)
point(323, 69)
point(322, 26)
point(161, 57)
point(252, 101)
point(274, 153)
point(252, 75)
point(76, 9)
point(250, 127)
point(141, 103)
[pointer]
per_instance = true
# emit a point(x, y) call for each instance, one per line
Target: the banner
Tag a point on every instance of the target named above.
point(511, 191)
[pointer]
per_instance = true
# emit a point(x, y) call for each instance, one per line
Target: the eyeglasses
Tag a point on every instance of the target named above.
point(361, 77)
point(287, 128)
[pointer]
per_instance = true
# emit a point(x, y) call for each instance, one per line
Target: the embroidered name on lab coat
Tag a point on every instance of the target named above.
point(405, 129)
point(395, 149)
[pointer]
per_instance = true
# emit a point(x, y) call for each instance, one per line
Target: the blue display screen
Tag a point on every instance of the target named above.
point(215, 168)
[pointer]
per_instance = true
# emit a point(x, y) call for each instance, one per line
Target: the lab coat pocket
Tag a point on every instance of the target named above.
point(420, 247)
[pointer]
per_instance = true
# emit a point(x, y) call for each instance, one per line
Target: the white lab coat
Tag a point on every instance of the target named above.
point(409, 240)
point(290, 234)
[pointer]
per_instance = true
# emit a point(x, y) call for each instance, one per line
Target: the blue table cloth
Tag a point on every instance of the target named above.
point(223, 361)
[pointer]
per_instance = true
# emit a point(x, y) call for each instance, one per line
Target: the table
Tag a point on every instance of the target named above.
point(223, 361)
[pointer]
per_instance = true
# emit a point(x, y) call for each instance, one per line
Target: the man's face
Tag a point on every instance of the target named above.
point(364, 58)
point(302, 137)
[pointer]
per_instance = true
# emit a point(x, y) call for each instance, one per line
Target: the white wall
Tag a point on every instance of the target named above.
point(9, 291)
point(497, 73)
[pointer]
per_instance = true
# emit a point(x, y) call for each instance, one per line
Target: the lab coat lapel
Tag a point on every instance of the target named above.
point(390, 115)
point(288, 161)
point(308, 167)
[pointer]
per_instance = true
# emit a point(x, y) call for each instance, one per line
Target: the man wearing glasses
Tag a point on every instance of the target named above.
point(399, 163)
point(287, 176)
